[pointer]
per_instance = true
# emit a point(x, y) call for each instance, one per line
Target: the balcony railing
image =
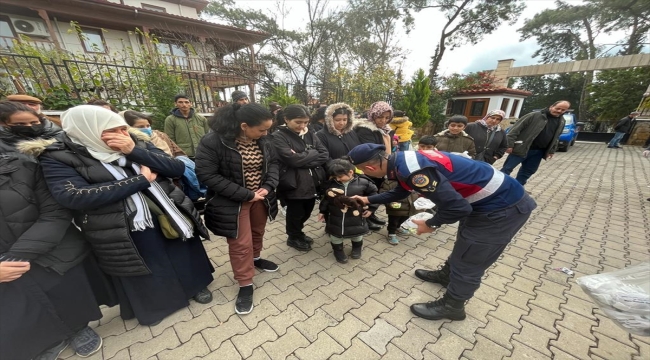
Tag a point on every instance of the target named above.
point(213, 66)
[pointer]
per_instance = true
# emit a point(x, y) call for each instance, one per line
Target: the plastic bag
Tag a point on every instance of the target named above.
point(423, 204)
point(408, 225)
point(623, 295)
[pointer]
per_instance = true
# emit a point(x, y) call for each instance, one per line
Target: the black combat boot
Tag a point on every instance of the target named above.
point(308, 239)
point(444, 308)
point(373, 227)
point(440, 276)
point(356, 249)
point(374, 219)
point(339, 254)
point(298, 243)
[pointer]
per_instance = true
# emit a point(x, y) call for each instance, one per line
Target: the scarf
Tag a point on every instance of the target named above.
point(377, 109)
point(494, 128)
point(137, 203)
point(84, 125)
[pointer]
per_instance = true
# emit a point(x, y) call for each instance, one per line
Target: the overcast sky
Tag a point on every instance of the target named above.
point(420, 43)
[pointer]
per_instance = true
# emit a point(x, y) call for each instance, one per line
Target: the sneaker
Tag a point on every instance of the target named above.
point(392, 239)
point(86, 342)
point(203, 297)
point(244, 302)
point(283, 210)
point(402, 232)
point(53, 352)
point(266, 265)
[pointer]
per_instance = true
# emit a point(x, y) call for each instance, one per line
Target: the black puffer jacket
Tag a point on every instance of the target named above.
point(346, 225)
point(33, 226)
point(497, 146)
point(219, 166)
point(301, 159)
point(369, 133)
point(338, 143)
point(81, 183)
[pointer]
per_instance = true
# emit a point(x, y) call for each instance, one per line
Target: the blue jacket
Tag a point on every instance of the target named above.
point(457, 185)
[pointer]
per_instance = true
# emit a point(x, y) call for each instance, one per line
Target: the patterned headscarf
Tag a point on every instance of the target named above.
point(493, 113)
point(377, 109)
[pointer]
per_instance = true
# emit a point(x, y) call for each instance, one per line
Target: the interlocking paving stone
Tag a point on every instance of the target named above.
point(164, 341)
point(358, 350)
point(486, 349)
point(291, 341)
point(379, 336)
point(323, 348)
point(591, 217)
point(498, 331)
point(413, 341)
point(572, 343)
point(195, 347)
point(252, 339)
point(347, 330)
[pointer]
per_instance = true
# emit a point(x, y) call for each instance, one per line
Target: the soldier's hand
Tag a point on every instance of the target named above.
point(422, 227)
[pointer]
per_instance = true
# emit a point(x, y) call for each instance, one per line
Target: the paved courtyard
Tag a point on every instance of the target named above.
point(592, 217)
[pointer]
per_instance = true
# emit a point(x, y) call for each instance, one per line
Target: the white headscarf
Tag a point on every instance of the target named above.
point(84, 125)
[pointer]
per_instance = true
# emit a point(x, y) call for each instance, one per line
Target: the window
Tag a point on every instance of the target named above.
point(174, 54)
point(477, 108)
point(154, 8)
point(515, 105)
point(504, 104)
point(93, 40)
point(458, 107)
point(7, 35)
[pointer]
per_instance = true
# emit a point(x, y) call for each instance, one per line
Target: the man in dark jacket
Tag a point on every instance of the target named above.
point(534, 137)
point(623, 126)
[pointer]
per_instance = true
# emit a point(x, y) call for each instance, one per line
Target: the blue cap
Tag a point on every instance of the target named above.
point(365, 152)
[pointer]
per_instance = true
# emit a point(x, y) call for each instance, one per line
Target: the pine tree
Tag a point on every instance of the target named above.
point(416, 99)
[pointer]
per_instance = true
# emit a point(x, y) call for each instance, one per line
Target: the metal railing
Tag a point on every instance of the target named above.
point(81, 77)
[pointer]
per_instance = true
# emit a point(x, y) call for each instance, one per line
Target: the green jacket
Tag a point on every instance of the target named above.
point(404, 207)
point(455, 143)
point(526, 129)
point(186, 132)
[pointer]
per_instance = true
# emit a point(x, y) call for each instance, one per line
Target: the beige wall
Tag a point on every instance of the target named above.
point(175, 9)
point(115, 40)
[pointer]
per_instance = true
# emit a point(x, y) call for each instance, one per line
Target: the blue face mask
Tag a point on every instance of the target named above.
point(147, 131)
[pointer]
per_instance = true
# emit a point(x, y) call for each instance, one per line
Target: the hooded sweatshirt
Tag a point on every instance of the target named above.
point(186, 132)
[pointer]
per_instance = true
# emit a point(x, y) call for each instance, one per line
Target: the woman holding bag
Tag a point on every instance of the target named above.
point(302, 157)
point(143, 230)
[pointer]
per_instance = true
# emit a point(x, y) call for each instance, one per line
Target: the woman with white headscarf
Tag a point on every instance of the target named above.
point(143, 230)
point(490, 141)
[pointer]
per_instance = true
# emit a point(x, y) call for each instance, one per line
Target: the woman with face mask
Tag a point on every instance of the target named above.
point(302, 157)
point(189, 182)
point(143, 122)
point(143, 229)
point(47, 295)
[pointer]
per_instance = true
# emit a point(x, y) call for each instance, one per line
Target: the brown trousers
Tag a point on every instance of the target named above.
point(249, 241)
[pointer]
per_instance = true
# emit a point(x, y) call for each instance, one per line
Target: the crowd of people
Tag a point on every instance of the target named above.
point(99, 208)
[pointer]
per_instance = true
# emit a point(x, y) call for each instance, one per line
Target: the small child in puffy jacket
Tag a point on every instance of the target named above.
point(340, 225)
point(398, 212)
